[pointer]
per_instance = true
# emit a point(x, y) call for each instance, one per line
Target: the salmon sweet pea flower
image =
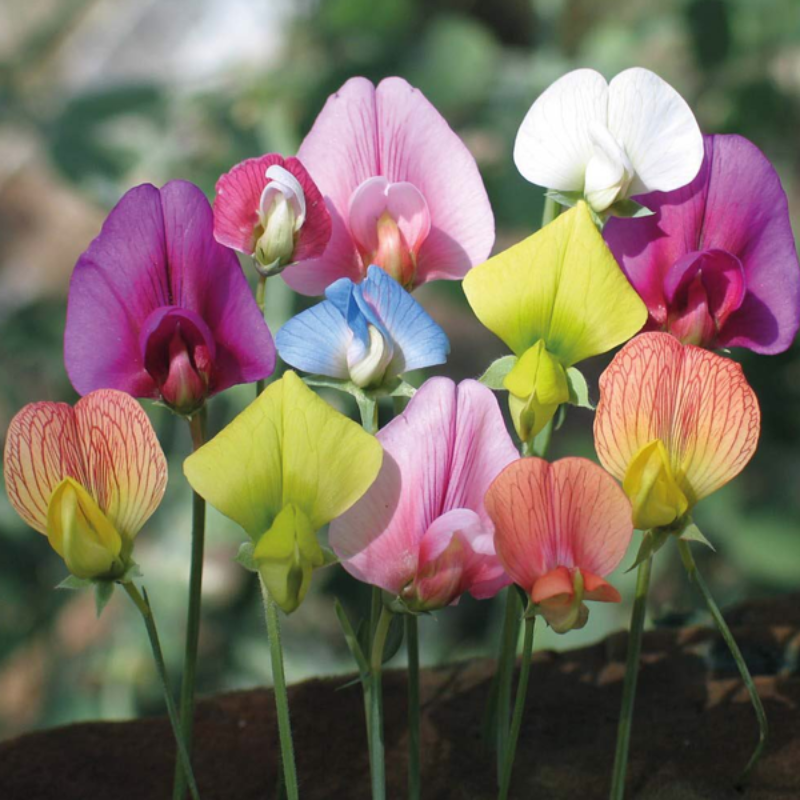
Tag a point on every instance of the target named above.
point(158, 309)
point(402, 189)
point(269, 208)
point(674, 424)
point(560, 529)
point(421, 532)
point(368, 333)
point(716, 264)
point(284, 468)
point(555, 299)
point(603, 141)
point(87, 477)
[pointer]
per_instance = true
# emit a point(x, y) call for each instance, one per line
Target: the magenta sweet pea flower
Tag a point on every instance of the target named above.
point(716, 264)
point(269, 208)
point(157, 308)
point(402, 189)
point(421, 531)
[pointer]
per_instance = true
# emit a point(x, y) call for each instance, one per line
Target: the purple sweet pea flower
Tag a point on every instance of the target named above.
point(157, 308)
point(716, 264)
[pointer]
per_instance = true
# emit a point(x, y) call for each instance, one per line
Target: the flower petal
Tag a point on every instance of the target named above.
point(418, 146)
point(696, 402)
point(657, 129)
point(126, 471)
point(41, 450)
point(561, 285)
point(553, 145)
point(287, 447)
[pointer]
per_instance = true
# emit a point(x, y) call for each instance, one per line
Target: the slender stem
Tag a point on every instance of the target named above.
point(541, 444)
point(281, 697)
point(763, 727)
point(551, 210)
point(261, 292)
point(377, 766)
point(412, 643)
point(197, 428)
point(519, 707)
point(509, 641)
point(631, 677)
point(143, 606)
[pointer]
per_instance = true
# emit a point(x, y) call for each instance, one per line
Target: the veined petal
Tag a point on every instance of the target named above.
point(657, 129)
point(288, 447)
point(696, 402)
point(553, 146)
point(561, 285)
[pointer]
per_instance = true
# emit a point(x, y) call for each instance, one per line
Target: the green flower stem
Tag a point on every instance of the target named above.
point(197, 427)
point(412, 644)
point(699, 582)
point(631, 677)
point(519, 707)
point(143, 606)
point(281, 697)
point(261, 292)
point(509, 640)
point(377, 766)
point(551, 210)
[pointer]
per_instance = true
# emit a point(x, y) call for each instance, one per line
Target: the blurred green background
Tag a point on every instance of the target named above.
point(97, 96)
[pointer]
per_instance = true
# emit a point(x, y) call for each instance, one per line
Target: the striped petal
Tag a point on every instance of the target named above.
point(697, 403)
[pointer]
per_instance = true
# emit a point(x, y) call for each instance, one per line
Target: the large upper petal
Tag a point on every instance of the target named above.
point(418, 146)
point(553, 145)
point(657, 130)
point(569, 514)
point(561, 285)
point(698, 403)
point(288, 447)
point(440, 454)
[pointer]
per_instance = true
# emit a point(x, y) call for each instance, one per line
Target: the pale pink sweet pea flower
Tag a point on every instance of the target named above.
point(421, 531)
point(403, 190)
point(269, 208)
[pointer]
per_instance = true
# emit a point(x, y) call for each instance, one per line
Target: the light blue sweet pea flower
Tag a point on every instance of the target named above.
point(368, 333)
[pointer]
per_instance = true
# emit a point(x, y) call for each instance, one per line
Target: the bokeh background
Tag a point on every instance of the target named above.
point(99, 95)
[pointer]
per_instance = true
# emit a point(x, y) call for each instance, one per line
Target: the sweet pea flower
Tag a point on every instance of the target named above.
point(608, 141)
point(402, 189)
point(88, 478)
point(555, 299)
point(286, 466)
point(674, 424)
point(159, 309)
point(716, 264)
point(269, 208)
point(368, 333)
point(559, 530)
point(421, 532)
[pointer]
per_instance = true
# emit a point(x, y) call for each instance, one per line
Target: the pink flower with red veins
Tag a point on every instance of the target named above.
point(403, 190)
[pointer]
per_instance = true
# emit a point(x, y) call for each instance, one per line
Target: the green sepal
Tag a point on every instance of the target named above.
point(652, 541)
point(328, 556)
point(578, 389)
point(496, 373)
point(561, 417)
point(71, 582)
point(566, 199)
point(130, 574)
point(103, 590)
point(246, 558)
point(396, 387)
point(628, 209)
point(394, 638)
point(351, 639)
point(691, 533)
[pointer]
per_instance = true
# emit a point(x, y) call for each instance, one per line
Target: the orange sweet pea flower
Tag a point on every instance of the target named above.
point(88, 478)
point(560, 529)
point(674, 424)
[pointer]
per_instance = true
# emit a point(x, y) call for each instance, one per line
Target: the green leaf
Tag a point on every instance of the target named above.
point(246, 558)
point(652, 542)
point(102, 594)
point(578, 389)
point(691, 533)
point(71, 582)
point(351, 639)
point(497, 371)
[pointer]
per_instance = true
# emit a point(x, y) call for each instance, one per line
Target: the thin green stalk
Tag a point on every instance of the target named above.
point(519, 707)
point(377, 766)
point(143, 606)
point(197, 428)
point(631, 678)
point(509, 641)
point(412, 644)
point(261, 292)
point(763, 726)
point(551, 210)
point(281, 697)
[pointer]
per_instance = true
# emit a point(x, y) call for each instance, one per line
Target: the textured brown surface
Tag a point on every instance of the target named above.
point(694, 729)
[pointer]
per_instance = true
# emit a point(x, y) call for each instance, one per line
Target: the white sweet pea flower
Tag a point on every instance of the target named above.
point(609, 141)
